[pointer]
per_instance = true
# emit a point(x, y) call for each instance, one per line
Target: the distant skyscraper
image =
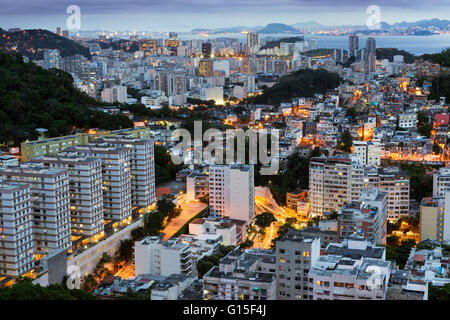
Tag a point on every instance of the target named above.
point(353, 42)
point(252, 42)
point(338, 55)
point(58, 31)
point(371, 46)
point(65, 34)
point(206, 50)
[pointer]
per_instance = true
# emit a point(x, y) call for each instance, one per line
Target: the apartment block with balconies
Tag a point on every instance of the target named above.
point(16, 234)
point(142, 168)
point(86, 194)
point(116, 179)
point(334, 277)
point(50, 202)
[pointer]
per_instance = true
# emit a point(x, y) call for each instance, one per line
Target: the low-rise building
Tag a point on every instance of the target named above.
point(366, 217)
point(155, 256)
point(242, 275)
point(335, 277)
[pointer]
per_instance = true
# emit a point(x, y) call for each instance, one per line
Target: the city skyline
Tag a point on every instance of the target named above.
point(169, 15)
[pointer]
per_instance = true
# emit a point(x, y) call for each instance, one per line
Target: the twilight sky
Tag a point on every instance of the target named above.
point(184, 15)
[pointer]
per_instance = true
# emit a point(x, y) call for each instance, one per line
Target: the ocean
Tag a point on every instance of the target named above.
point(414, 44)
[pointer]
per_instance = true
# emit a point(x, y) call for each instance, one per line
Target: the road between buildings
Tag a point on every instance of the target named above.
point(190, 210)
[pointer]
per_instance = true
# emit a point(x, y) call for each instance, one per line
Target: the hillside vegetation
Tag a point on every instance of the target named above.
point(31, 97)
point(302, 83)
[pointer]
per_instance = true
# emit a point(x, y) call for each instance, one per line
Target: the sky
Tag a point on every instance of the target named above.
point(184, 15)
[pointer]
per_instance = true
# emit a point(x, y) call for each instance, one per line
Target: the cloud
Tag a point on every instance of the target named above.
point(50, 7)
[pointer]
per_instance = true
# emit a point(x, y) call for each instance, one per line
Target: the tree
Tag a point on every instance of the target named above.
point(281, 233)
point(246, 244)
point(436, 149)
point(138, 233)
point(313, 221)
point(264, 219)
point(207, 262)
point(26, 290)
point(351, 112)
point(346, 142)
point(204, 199)
point(153, 223)
point(125, 251)
point(439, 293)
point(315, 152)
point(88, 282)
point(168, 208)
point(392, 241)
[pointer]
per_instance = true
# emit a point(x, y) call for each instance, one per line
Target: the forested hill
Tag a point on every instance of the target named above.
point(31, 43)
point(31, 97)
point(302, 83)
point(389, 53)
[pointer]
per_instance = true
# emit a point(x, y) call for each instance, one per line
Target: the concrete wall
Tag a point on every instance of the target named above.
point(87, 260)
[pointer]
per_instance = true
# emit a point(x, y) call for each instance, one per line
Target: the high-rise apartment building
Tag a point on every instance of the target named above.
point(142, 169)
point(86, 194)
point(253, 43)
point(205, 68)
point(366, 217)
point(116, 179)
point(232, 191)
point(433, 217)
point(206, 50)
point(295, 255)
point(441, 180)
point(353, 42)
point(332, 182)
point(50, 202)
point(395, 183)
point(16, 234)
point(367, 152)
point(371, 53)
point(115, 94)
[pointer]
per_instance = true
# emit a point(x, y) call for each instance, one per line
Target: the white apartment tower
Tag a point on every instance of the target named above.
point(367, 152)
point(155, 256)
point(395, 183)
point(86, 193)
point(441, 180)
point(16, 234)
point(232, 191)
point(332, 182)
point(50, 203)
point(117, 93)
point(116, 179)
point(142, 169)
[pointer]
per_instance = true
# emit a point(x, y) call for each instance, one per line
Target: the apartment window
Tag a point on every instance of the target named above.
point(338, 284)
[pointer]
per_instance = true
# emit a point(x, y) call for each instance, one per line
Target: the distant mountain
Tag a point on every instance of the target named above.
point(440, 24)
point(32, 43)
point(307, 25)
point(276, 43)
point(278, 28)
point(236, 29)
point(202, 30)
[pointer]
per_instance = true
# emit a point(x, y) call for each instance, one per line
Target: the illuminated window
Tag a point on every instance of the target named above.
point(306, 253)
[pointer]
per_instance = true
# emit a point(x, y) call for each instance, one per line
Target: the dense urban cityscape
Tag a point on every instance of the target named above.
point(342, 193)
